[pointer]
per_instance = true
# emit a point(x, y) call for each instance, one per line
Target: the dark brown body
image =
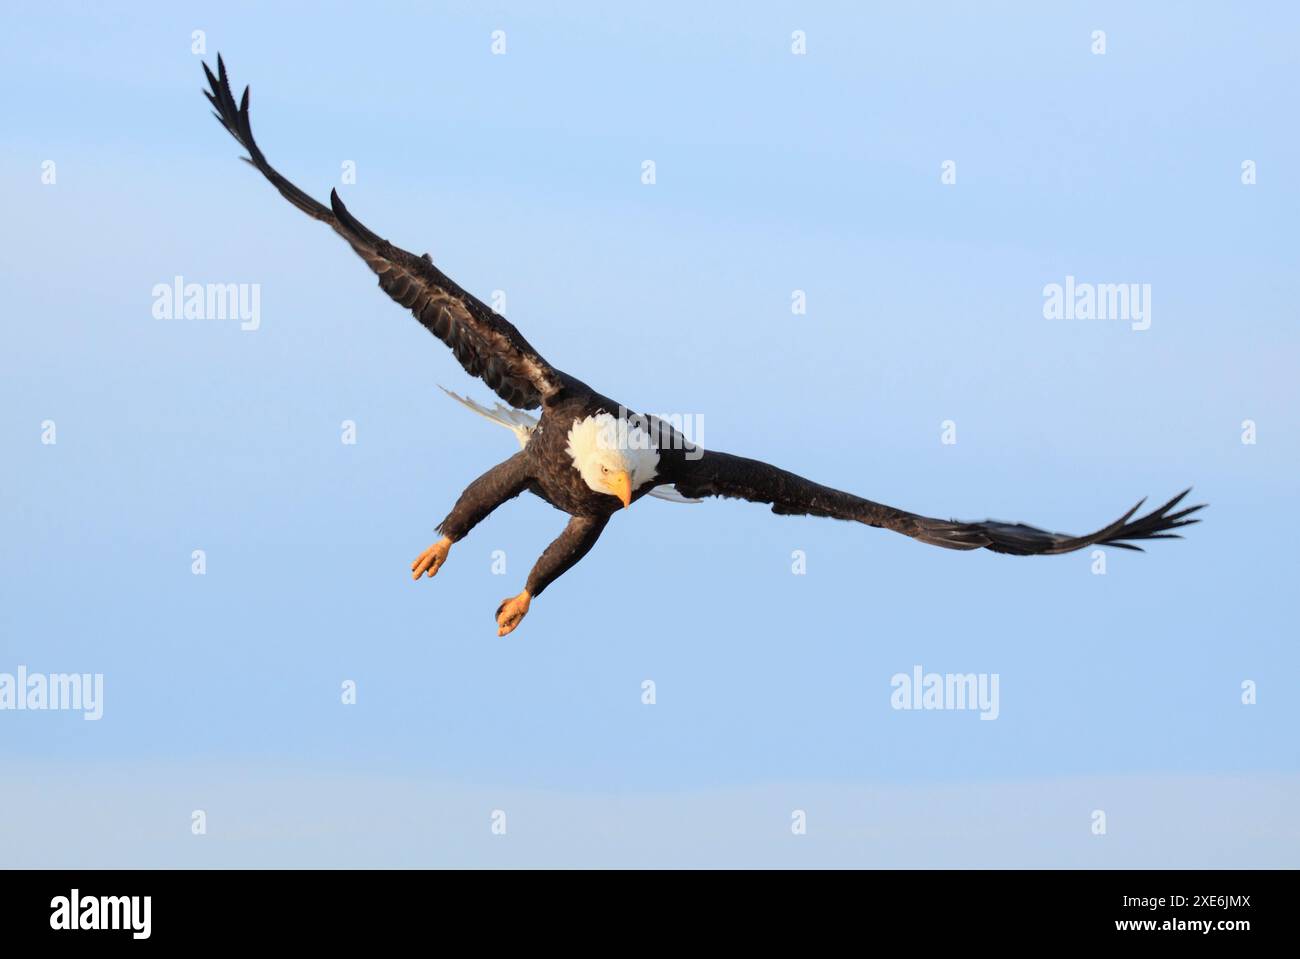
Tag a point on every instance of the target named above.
point(545, 468)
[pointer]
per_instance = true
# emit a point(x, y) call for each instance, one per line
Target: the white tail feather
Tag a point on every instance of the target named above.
point(522, 425)
point(516, 421)
point(669, 492)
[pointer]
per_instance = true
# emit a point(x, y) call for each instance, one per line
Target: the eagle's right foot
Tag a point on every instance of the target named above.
point(431, 559)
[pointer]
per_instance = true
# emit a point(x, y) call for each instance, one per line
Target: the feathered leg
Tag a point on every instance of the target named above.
point(502, 482)
point(570, 546)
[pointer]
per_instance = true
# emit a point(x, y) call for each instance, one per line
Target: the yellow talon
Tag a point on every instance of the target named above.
point(431, 559)
point(511, 612)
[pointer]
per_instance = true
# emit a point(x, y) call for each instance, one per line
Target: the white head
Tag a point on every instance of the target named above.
point(612, 455)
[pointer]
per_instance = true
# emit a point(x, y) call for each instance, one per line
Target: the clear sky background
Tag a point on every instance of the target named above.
point(775, 172)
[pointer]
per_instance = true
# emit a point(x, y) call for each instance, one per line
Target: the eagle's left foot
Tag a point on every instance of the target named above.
point(511, 612)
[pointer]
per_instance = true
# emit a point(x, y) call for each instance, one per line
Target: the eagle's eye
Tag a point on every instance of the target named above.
point(604, 469)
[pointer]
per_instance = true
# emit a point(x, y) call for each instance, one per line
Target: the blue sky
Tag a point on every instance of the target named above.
point(774, 173)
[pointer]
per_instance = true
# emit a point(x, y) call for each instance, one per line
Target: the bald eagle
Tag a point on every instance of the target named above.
point(589, 456)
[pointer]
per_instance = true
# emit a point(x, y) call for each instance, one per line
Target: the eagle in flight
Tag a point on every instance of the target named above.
point(587, 455)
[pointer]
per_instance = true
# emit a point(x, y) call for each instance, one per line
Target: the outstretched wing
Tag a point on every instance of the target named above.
point(485, 343)
point(721, 474)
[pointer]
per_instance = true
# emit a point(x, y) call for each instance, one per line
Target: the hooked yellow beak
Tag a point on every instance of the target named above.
point(620, 484)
